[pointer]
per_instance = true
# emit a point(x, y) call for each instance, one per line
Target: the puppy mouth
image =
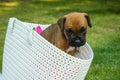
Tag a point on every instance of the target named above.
point(77, 42)
point(76, 45)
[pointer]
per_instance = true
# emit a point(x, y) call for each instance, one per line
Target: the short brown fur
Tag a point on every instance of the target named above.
point(56, 33)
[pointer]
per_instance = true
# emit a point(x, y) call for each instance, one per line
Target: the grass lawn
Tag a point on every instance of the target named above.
point(103, 37)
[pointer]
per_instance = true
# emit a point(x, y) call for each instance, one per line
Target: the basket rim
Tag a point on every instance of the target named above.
point(87, 46)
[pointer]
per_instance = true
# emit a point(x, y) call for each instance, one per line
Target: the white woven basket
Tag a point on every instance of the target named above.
point(28, 56)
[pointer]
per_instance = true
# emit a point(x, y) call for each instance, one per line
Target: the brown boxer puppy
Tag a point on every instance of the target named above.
point(69, 33)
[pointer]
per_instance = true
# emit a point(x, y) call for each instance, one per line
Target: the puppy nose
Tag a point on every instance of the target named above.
point(77, 41)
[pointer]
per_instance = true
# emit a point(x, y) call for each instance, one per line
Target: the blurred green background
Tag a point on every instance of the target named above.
point(103, 37)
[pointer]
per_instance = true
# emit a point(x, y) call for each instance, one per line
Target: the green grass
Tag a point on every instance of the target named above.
point(103, 37)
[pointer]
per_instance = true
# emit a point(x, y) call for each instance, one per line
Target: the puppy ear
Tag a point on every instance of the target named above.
point(61, 23)
point(88, 20)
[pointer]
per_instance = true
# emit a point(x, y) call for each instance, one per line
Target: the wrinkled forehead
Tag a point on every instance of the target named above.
point(76, 21)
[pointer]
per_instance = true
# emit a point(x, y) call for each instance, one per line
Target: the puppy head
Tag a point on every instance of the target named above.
point(74, 27)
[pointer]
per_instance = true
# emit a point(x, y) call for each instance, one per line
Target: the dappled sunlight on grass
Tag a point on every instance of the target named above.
point(5, 10)
point(10, 4)
point(49, 0)
point(61, 8)
point(6, 7)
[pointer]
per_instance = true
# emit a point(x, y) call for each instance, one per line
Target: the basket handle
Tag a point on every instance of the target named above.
point(31, 35)
point(11, 24)
point(30, 30)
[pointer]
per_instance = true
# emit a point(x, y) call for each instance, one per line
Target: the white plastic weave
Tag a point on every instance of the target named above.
point(0, 76)
point(28, 56)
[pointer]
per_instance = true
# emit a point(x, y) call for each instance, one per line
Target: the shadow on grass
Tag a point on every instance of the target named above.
point(62, 6)
point(93, 7)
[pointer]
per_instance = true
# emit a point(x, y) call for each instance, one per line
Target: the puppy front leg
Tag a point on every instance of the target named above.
point(71, 50)
point(72, 53)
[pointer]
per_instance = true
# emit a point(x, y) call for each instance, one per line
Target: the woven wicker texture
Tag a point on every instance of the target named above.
point(28, 56)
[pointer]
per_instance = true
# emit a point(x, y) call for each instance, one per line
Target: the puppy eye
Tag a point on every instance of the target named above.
point(83, 30)
point(69, 31)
